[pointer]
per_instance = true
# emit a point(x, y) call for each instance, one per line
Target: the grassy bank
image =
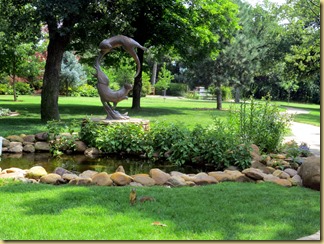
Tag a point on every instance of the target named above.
point(226, 211)
point(188, 112)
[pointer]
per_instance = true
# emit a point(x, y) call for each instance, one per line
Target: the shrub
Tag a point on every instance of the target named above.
point(3, 89)
point(215, 145)
point(23, 88)
point(86, 91)
point(177, 89)
point(191, 95)
point(260, 123)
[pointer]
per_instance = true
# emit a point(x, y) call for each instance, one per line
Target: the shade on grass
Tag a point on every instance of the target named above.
point(188, 112)
point(225, 211)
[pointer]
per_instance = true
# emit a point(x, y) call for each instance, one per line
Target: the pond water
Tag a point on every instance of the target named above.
point(80, 163)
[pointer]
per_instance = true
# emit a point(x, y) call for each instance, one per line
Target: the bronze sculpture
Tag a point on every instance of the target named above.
point(106, 94)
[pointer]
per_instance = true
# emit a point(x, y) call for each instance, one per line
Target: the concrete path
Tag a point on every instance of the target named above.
point(312, 136)
point(309, 134)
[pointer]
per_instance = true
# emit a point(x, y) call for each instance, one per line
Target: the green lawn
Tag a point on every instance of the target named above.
point(188, 112)
point(225, 211)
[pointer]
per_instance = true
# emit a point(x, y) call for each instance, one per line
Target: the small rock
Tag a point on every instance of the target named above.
point(296, 180)
point(283, 182)
point(92, 152)
point(29, 148)
point(69, 176)
point(80, 146)
point(61, 171)
point(281, 174)
point(133, 183)
point(120, 169)
point(42, 146)
point(5, 142)
point(221, 176)
point(29, 138)
point(83, 181)
point(43, 136)
point(291, 172)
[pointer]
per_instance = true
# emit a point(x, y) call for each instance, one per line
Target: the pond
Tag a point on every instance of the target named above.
point(80, 163)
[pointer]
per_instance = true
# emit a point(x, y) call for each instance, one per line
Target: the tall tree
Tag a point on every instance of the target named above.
point(191, 27)
point(16, 38)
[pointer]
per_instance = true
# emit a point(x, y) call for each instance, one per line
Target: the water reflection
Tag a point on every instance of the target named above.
point(80, 163)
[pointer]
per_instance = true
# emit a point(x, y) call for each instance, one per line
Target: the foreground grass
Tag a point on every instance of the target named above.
point(226, 211)
point(187, 112)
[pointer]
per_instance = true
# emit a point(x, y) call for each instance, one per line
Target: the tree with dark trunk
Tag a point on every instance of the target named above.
point(51, 82)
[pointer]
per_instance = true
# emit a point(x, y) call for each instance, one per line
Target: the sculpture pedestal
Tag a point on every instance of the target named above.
point(143, 122)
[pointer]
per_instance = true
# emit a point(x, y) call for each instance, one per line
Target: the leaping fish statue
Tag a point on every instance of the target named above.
point(106, 94)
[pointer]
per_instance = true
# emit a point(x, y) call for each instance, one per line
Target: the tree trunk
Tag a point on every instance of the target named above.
point(138, 83)
point(51, 80)
point(219, 96)
point(237, 94)
point(14, 78)
point(154, 71)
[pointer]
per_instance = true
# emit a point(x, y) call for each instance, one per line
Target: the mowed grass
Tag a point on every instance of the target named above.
point(225, 211)
point(185, 111)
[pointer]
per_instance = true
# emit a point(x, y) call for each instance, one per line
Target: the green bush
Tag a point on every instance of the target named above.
point(177, 89)
point(3, 89)
point(173, 142)
point(226, 92)
point(22, 88)
point(260, 123)
point(86, 91)
point(118, 138)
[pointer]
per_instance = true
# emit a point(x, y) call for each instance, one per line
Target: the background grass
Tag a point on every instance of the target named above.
point(226, 211)
point(188, 112)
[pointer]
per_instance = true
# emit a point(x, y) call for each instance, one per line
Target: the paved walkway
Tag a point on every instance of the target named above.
point(311, 135)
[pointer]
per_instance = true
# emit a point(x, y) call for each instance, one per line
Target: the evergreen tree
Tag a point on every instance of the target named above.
point(72, 74)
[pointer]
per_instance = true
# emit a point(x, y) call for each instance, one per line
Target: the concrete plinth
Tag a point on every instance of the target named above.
point(143, 122)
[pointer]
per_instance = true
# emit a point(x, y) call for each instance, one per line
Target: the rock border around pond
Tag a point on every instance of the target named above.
point(307, 175)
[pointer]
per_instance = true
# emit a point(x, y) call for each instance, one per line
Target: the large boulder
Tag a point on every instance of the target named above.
point(80, 146)
point(15, 138)
point(36, 172)
point(310, 172)
point(42, 146)
point(61, 171)
point(88, 174)
point(176, 181)
point(255, 174)
point(203, 178)
point(50, 178)
point(144, 179)
point(159, 176)
point(15, 147)
point(102, 179)
point(121, 179)
point(221, 176)
point(281, 174)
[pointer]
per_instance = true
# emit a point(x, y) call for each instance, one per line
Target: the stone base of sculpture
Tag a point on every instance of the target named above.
point(142, 122)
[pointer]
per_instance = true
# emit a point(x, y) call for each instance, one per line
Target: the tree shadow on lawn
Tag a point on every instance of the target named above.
point(225, 211)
